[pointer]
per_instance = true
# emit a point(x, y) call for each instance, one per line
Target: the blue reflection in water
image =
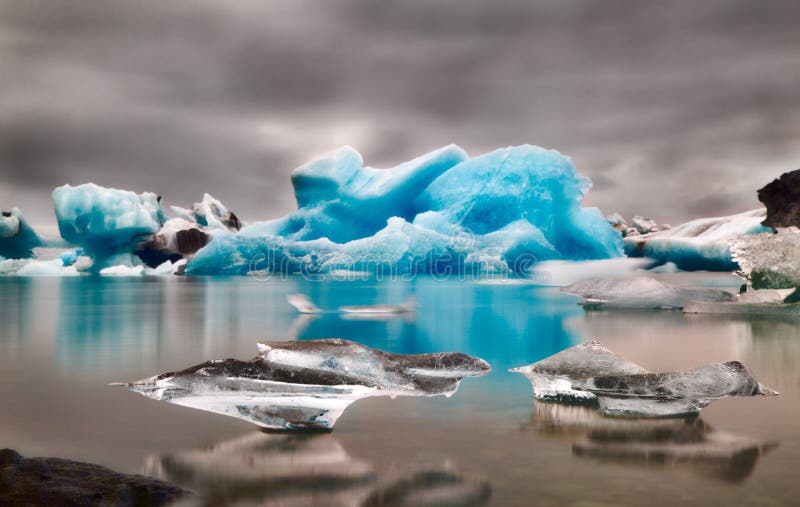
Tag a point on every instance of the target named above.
point(112, 323)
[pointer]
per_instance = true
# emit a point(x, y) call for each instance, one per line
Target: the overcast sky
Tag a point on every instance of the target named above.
point(674, 109)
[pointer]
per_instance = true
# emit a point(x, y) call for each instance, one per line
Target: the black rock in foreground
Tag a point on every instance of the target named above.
point(782, 198)
point(63, 482)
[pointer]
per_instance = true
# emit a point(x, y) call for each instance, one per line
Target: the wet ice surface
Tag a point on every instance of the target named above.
point(671, 393)
point(308, 385)
point(63, 340)
point(552, 378)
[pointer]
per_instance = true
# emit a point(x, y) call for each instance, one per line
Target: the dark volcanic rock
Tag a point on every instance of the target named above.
point(782, 199)
point(56, 481)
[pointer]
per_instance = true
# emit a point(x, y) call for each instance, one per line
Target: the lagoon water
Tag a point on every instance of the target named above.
point(62, 340)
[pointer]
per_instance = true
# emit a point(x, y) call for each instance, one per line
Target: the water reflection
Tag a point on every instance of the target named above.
point(685, 443)
point(15, 309)
point(309, 469)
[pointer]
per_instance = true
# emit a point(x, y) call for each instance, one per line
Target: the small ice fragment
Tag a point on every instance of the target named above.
point(302, 303)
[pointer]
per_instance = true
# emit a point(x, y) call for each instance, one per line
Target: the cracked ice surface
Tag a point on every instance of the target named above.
point(309, 384)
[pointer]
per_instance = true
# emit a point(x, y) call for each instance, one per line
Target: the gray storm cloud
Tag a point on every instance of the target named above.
point(675, 110)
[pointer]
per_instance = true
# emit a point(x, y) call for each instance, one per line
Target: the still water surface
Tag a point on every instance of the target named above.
point(62, 340)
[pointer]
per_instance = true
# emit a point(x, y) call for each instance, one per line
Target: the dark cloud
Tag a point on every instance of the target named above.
point(674, 109)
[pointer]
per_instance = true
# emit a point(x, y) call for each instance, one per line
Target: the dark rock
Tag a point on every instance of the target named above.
point(57, 481)
point(782, 199)
point(191, 240)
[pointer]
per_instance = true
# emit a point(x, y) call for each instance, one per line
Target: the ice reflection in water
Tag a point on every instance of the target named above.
point(309, 469)
point(687, 443)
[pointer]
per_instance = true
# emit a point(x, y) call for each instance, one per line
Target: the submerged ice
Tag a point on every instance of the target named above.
point(592, 374)
point(307, 385)
point(502, 211)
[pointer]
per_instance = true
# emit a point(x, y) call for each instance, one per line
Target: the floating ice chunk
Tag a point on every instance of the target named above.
point(122, 270)
point(106, 222)
point(307, 385)
point(644, 225)
point(54, 267)
point(302, 303)
point(167, 268)
point(552, 378)
point(672, 393)
point(440, 213)
point(641, 292)
point(70, 257)
point(697, 245)
point(410, 305)
point(17, 237)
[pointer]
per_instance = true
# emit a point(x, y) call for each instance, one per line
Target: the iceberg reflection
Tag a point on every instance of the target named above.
point(309, 469)
point(689, 443)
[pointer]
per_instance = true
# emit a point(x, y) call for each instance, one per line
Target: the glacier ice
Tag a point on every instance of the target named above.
point(552, 377)
point(671, 393)
point(697, 245)
point(106, 222)
point(745, 308)
point(209, 213)
point(176, 240)
point(442, 212)
point(17, 237)
point(307, 385)
point(641, 292)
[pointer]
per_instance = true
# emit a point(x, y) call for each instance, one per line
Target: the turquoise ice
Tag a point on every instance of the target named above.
point(106, 222)
point(440, 213)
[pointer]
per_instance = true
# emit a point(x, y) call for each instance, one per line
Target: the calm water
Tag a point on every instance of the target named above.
point(63, 340)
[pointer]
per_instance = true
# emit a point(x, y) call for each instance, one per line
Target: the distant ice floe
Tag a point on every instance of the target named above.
point(590, 373)
point(304, 305)
point(697, 245)
point(308, 385)
point(641, 293)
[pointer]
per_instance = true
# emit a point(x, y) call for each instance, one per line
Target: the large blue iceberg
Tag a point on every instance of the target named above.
point(106, 222)
point(440, 213)
point(17, 237)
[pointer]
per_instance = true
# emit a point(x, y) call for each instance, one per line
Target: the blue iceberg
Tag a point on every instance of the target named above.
point(107, 223)
point(440, 213)
point(17, 237)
